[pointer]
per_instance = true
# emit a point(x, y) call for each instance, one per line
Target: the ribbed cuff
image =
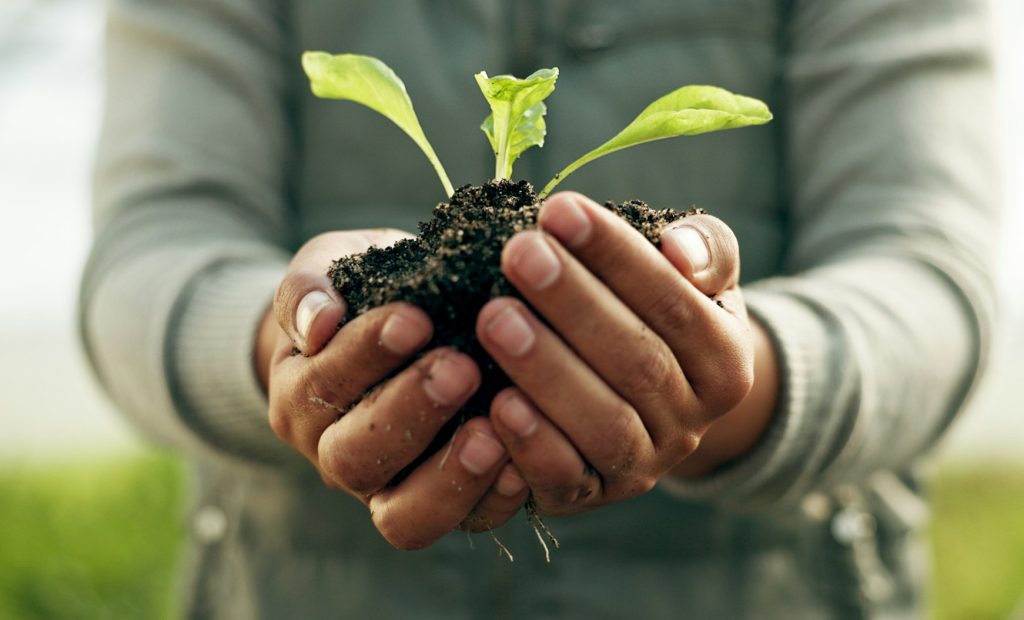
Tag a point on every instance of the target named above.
point(212, 358)
point(767, 477)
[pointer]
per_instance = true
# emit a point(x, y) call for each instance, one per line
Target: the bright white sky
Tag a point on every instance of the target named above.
point(49, 109)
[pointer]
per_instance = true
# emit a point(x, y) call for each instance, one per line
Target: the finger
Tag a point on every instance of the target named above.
point(503, 500)
point(559, 479)
point(608, 336)
point(309, 394)
point(603, 427)
point(369, 445)
point(689, 322)
point(438, 494)
point(705, 251)
point(306, 304)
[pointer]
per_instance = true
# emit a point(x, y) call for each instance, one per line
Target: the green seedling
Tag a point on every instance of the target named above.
point(516, 122)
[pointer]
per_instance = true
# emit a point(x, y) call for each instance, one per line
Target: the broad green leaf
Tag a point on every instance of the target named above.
point(370, 82)
point(687, 111)
point(517, 114)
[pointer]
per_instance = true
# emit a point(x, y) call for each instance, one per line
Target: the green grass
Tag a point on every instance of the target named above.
point(90, 541)
point(977, 539)
point(102, 540)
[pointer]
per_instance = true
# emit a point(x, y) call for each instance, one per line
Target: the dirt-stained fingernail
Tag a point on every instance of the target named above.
point(403, 336)
point(448, 381)
point(509, 482)
point(480, 453)
point(692, 244)
point(306, 312)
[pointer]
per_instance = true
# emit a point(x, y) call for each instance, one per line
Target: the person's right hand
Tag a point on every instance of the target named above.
point(358, 444)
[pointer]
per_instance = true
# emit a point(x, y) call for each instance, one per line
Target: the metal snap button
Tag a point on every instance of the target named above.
point(210, 524)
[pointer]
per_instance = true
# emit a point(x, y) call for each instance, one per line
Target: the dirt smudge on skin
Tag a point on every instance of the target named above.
point(452, 268)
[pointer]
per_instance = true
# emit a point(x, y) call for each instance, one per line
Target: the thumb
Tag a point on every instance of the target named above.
point(307, 306)
point(705, 252)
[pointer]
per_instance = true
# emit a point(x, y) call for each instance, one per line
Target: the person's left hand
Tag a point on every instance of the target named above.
point(635, 353)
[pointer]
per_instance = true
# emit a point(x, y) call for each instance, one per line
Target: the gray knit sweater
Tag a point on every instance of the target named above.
point(865, 215)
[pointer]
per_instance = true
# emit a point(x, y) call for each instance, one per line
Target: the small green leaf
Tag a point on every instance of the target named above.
point(370, 82)
point(687, 111)
point(516, 122)
point(529, 132)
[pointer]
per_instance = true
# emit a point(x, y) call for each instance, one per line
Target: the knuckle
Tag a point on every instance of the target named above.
point(677, 447)
point(645, 484)
point(655, 369)
point(343, 467)
point(732, 385)
point(674, 315)
point(635, 486)
point(566, 497)
point(281, 424)
point(397, 533)
point(621, 434)
point(338, 395)
point(686, 444)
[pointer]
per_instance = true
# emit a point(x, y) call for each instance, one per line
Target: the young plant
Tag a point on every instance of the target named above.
point(516, 122)
point(452, 267)
point(517, 114)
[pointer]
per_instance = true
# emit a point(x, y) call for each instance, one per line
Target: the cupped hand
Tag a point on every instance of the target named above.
point(356, 409)
point(628, 357)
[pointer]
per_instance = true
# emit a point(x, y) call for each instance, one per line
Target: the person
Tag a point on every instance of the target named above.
point(754, 460)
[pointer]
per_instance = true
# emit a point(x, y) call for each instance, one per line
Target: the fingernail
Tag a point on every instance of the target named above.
point(568, 222)
point(480, 453)
point(306, 312)
point(509, 483)
point(518, 417)
point(692, 244)
point(402, 336)
point(535, 261)
point(510, 331)
point(447, 381)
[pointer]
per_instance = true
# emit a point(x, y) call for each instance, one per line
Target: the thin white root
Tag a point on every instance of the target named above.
point(502, 549)
point(547, 552)
point(326, 404)
point(451, 446)
point(539, 526)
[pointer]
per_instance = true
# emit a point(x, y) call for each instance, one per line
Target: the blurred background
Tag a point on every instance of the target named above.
point(90, 517)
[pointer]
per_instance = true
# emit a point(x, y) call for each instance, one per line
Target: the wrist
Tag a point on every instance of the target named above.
point(267, 336)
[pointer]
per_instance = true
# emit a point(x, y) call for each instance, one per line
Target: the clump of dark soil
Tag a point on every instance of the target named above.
point(453, 267)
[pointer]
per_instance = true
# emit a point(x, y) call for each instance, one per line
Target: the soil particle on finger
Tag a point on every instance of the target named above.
point(452, 268)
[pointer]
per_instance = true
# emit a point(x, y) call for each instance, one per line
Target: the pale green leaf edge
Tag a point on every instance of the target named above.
point(369, 81)
point(686, 111)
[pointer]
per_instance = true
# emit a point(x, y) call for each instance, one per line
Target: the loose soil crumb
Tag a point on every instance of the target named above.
point(453, 268)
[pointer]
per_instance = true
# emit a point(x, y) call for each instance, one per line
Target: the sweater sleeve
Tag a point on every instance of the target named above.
point(884, 316)
point(190, 219)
